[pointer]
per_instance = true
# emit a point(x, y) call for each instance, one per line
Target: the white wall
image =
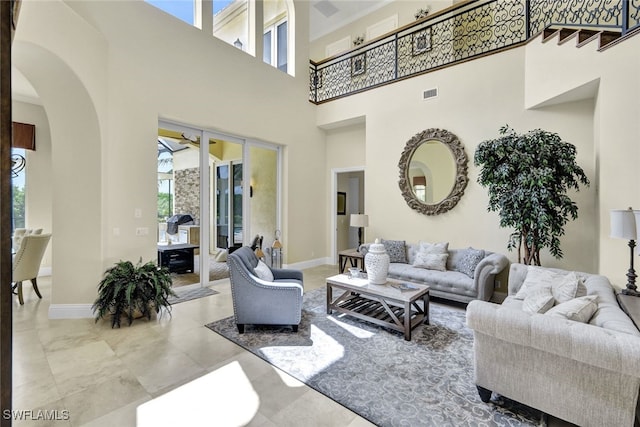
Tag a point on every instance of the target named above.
point(404, 9)
point(473, 109)
point(154, 66)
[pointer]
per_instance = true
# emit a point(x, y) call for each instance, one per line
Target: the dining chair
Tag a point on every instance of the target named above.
point(26, 262)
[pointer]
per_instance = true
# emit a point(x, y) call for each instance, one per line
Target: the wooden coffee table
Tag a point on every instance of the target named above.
point(380, 304)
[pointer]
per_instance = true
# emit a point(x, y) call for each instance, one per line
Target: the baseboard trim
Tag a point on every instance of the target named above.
point(70, 311)
point(310, 263)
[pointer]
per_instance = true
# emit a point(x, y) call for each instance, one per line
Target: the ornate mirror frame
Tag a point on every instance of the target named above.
point(460, 159)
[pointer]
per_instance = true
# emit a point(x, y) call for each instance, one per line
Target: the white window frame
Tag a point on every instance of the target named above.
point(273, 28)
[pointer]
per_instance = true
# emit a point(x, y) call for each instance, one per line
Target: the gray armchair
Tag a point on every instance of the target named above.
point(261, 302)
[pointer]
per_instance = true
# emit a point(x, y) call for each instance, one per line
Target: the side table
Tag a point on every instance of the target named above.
point(352, 256)
point(631, 305)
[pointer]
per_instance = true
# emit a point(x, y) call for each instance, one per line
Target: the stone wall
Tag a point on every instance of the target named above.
point(187, 192)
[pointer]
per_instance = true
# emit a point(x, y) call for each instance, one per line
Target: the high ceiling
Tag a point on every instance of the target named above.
point(325, 16)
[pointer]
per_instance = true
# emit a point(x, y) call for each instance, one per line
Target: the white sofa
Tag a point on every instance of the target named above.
point(584, 373)
point(452, 284)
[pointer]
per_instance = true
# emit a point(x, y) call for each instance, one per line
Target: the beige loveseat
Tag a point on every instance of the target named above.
point(468, 273)
point(584, 373)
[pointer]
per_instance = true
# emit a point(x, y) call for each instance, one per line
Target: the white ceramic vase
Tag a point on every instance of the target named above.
point(376, 262)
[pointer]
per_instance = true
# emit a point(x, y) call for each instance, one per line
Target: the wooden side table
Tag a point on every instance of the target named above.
point(631, 305)
point(352, 256)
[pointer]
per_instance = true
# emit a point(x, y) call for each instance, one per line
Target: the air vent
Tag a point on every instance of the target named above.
point(430, 93)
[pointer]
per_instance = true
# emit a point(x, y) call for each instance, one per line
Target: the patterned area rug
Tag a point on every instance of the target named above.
point(189, 294)
point(375, 373)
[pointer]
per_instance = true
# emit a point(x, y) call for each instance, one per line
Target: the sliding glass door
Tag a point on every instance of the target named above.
point(229, 185)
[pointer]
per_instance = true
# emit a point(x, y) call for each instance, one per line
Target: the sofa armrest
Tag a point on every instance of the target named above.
point(585, 343)
point(486, 271)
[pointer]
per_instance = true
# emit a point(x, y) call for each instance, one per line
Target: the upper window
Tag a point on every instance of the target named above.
point(181, 9)
point(275, 43)
point(231, 22)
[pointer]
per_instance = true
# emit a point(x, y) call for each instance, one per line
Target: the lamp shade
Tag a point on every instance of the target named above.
point(623, 224)
point(359, 220)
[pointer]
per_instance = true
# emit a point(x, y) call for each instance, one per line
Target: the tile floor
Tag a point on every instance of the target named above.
point(112, 377)
point(165, 372)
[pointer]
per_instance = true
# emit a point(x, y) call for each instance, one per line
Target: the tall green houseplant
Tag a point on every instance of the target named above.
point(528, 177)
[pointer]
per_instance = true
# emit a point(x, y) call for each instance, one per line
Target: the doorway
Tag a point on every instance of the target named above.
point(350, 183)
point(231, 184)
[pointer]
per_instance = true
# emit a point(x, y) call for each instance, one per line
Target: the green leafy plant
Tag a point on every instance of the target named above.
point(527, 177)
point(128, 289)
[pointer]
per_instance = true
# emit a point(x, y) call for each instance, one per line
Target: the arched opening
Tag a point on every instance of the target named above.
point(75, 173)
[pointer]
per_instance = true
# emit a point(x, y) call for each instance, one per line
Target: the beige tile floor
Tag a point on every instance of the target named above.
point(153, 370)
point(164, 372)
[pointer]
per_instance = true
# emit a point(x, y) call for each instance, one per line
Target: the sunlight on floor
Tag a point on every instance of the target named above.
point(289, 357)
point(225, 395)
point(353, 330)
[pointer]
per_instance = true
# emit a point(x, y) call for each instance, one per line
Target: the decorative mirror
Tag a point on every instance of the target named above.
point(433, 171)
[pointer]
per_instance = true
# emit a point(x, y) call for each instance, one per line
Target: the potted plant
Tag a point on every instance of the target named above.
point(133, 291)
point(528, 177)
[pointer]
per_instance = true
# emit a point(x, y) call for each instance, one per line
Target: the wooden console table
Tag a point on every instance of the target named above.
point(631, 305)
point(352, 256)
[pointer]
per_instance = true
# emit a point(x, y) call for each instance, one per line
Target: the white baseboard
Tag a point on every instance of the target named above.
point(310, 263)
point(70, 311)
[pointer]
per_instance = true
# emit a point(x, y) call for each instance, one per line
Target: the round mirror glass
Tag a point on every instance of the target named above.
point(433, 171)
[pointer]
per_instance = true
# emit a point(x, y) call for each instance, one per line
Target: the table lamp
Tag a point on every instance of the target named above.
point(623, 226)
point(360, 221)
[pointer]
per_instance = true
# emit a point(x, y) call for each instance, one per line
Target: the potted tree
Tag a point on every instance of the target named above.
point(528, 177)
point(133, 291)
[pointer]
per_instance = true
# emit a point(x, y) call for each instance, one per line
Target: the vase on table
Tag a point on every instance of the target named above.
point(376, 262)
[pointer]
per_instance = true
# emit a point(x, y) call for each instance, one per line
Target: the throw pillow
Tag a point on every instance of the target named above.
point(221, 256)
point(434, 248)
point(568, 288)
point(538, 277)
point(468, 261)
point(538, 301)
point(431, 261)
point(396, 249)
point(263, 271)
point(578, 309)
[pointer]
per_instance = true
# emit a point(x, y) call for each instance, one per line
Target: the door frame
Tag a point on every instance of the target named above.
point(334, 207)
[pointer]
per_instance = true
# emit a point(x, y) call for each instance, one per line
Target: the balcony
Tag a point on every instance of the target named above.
point(463, 32)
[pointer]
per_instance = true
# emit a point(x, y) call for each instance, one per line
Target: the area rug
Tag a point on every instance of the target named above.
point(190, 294)
point(375, 373)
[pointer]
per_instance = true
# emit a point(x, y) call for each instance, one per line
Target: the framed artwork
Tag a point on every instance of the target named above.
point(358, 65)
point(421, 42)
point(342, 203)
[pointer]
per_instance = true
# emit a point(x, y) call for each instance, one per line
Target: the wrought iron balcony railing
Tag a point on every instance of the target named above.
point(468, 30)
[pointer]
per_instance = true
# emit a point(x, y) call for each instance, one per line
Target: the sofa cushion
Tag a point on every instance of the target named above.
point(263, 271)
point(449, 281)
point(465, 260)
point(396, 249)
point(431, 261)
point(565, 285)
point(568, 288)
point(538, 301)
point(578, 309)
